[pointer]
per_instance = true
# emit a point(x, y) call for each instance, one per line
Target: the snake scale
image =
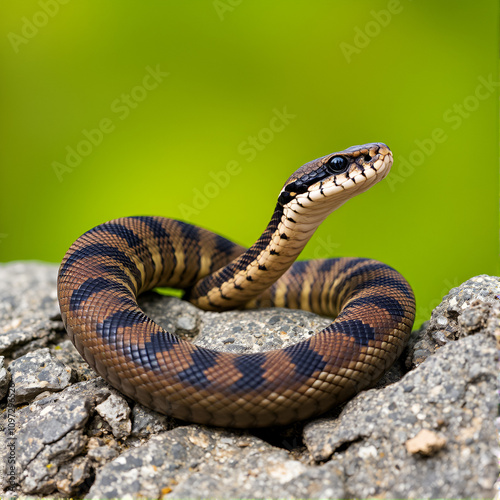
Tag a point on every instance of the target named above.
point(106, 269)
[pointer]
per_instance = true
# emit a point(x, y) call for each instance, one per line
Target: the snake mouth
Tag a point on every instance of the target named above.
point(354, 169)
point(369, 161)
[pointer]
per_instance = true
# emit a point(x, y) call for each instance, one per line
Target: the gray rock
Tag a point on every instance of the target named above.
point(257, 330)
point(452, 394)
point(193, 461)
point(40, 475)
point(148, 469)
point(71, 476)
point(146, 422)
point(116, 411)
point(323, 481)
point(464, 310)
point(28, 306)
point(377, 446)
point(233, 331)
point(177, 316)
point(49, 433)
point(102, 452)
point(67, 354)
point(37, 372)
point(4, 378)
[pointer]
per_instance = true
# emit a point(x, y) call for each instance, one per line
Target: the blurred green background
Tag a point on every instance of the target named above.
point(201, 110)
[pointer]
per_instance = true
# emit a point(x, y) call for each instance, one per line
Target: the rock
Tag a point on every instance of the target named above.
point(72, 476)
point(28, 307)
point(191, 461)
point(257, 331)
point(426, 442)
point(37, 372)
point(233, 331)
point(178, 317)
point(4, 379)
point(146, 422)
point(40, 476)
point(451, 394)
point(464, 311)
point(49, 433)
point(67, 354)
point(115, 411)
point(102, 452)
point(148, 469)
point(323, 481)
point(86, 441)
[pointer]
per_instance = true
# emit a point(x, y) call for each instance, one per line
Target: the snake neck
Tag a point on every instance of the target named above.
point(261, 265)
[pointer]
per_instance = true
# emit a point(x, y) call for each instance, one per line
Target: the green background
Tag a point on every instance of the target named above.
point(408, 73)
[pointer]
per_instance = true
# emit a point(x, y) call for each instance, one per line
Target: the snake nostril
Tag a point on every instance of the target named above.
point(367, 158)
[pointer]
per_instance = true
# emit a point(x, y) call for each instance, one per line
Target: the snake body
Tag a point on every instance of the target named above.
point(106, 269)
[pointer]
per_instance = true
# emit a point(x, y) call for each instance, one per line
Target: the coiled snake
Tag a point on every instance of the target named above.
point(106, 269)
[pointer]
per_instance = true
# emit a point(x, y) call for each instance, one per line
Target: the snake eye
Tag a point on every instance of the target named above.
point(337, 165)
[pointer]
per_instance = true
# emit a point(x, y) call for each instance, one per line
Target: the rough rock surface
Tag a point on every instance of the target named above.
point(464, 311)
point(450, 394)
point(28, 307)
point(36, 372)
point(427, 430)
point(4, 378)
point(116, 412)
point(243, 331)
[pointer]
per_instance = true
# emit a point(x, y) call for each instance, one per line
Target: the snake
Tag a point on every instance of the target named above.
point(372, 306)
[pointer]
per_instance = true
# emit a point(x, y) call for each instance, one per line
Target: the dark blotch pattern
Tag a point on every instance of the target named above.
point(306, 360)
point(223, 245)
point(369, 267)
point(161, 341)
point(155, 226)
point(299, 267)
point(91, 287)
point(119, 230)
point(392, 306)
point(108, 329)
point(118, 273)
point(250, 367)
point(385, 281)
point(101, 250)
point(201, 360)
point(356, 329)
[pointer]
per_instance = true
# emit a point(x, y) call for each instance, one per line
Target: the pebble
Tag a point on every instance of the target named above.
point(37, 372)
point(116, 411)
point(146, 422)
point(426, 442)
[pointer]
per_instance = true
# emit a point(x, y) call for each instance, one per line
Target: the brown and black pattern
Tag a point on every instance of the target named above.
point(109, 266)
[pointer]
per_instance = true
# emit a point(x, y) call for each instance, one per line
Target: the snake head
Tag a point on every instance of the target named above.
point(328, 182)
